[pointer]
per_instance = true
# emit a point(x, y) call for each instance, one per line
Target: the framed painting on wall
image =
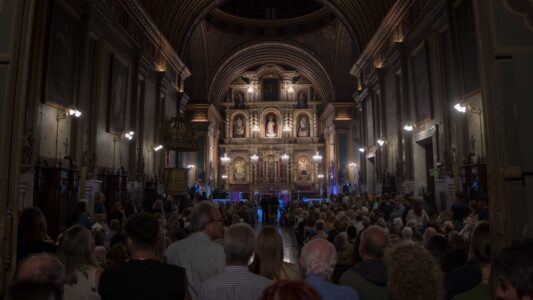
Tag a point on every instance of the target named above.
point(118, 84)
point(62, 52)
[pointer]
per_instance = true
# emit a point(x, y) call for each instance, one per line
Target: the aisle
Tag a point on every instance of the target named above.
point(290, 247)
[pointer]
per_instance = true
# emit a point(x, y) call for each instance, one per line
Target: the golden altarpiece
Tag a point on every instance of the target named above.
point(270, 134)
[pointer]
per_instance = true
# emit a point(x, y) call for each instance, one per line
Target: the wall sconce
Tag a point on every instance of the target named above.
point(290, 89)
point(129, 135)
point(158, 147)
point(352, 165)
point(224, 176)
point(362, 149)
point(381, 142)
point(250, 90)
point(225, 159)
point(460, 107)
point(463, 107)
point(410, 126)
point(285, 157)
point(320, 176)
point(317, 157)
point(254, 158)
point(73, 112)
point(190, 167)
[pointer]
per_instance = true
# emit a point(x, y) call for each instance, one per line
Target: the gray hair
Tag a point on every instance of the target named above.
point(42, 268)
point(407, 233)
point(318, 257)
point(239, 243)
point(201, 215)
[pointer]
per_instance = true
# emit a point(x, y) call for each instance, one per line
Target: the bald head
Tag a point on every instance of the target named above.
point(374, 240)
point(318, 258)
point(43, 268)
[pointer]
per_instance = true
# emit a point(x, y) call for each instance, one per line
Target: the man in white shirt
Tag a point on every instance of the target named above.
point(198, 254)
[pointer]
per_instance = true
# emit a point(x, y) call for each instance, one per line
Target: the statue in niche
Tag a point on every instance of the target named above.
point(238, 128)
point(228, 96)
point(302, 100)
point(239, 173)
point(239, 100)
point(271, 127)
point(303, 127)
point(303, 168)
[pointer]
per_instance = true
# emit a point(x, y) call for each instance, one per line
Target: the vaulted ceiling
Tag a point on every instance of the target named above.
point(219, 39)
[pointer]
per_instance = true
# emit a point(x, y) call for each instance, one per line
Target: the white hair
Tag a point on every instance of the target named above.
point(407, 233)
point(318, 257)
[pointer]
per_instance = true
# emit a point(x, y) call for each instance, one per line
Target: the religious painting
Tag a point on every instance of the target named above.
point(270, 87)
point(304, 168)
point(271, 128)
point(239, 127)
point(302, 100)
point(239, 169)
point(421, 84)
point(303, 126)
point(62, 51)
point(117, 96)
point(239, 100)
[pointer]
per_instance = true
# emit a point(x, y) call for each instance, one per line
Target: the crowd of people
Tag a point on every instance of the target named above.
point(350, 247)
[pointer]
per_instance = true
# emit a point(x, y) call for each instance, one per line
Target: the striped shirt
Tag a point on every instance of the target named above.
point(236, 282)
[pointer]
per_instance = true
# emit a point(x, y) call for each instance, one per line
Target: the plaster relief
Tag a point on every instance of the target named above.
point(521, 8)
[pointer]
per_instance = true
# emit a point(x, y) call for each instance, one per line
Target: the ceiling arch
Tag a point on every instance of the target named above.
point(271, 52)
point(178, 19)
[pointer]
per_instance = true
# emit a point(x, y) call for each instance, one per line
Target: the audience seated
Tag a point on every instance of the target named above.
point(198, 254)
point(31, 290)
point(268, 257)
point(369, 277)
point(32, 234)
point(469, 275)
point(480, 251)
point(512, 271)
point(76, 252)
point(144, 276)
point(290, 290)
point(236, 281)
point(413, 274)
point(317, 261)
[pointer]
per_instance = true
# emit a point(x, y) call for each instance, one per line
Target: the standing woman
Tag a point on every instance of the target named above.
point(268, 257)
point(76, 251)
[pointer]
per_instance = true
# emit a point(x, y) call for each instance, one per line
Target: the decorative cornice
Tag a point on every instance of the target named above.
point(382, 35)
point(156, 37)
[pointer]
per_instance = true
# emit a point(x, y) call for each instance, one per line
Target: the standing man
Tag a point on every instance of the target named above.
point(201, 257)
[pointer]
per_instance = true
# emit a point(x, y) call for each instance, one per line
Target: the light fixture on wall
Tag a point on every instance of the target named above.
point(409, 126)
point(225, 159)
point(285, 157)
point(73, 112)
point(250, 89)
point(190, 166)
point(290, 89)
point(254, 158)
point(158, 147)
point(62, 114)
point(317, 157)
point(320, 176)
point(129, 135)
point(352, 165)
point(224, 176)
point(362, 149)
point(461, 107)
point(381, 142)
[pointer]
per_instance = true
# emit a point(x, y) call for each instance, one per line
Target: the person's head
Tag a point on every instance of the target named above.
point(114, 225)
point(100, 198)
point(118, 254)
point(290, 290)
point(268, 254)
point(318, 257)
point(428, 233)
point(480, 243)
point(374, 240)
point(239, 244)
point(206, 217)
point(142, 230)
point(512, 271)
point(438, 247)
point(474, 207)
point(81, 206)
point(351, 232)
point(31, 290)
point(413, 273)
point(407, 233)
point(76, 252)
point(319, 225)
point(42, 268)
point(32, 224)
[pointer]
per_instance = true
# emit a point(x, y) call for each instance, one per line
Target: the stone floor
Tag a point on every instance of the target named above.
point(290, 247)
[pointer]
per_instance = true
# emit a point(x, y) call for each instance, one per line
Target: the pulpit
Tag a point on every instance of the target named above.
point(57, 194)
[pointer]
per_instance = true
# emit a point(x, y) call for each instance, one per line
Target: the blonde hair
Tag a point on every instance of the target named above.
point(268, 255)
